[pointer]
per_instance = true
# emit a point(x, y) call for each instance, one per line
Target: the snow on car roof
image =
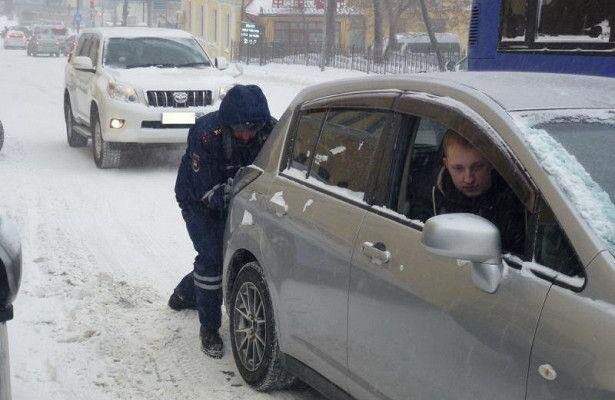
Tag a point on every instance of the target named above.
point(133, 31)
point(511, 90)
point(529, 91)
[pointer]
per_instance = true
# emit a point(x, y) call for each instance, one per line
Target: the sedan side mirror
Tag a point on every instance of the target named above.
point(221, 63)
point(467, 237)
point(10, 268)
point(83, 63)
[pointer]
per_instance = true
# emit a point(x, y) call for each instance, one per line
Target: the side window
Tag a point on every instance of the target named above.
point(444, 173)
point(423, 163)
point(345, 152)
point(308, 129)
point(82, 45)
point(514, 20)
point(93, 50)
point(552, 248)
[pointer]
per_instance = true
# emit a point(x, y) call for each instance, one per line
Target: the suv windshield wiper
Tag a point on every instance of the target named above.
point(159, 65)
point(193, 64)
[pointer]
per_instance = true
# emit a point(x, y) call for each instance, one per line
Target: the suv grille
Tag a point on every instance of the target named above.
point(179, 98)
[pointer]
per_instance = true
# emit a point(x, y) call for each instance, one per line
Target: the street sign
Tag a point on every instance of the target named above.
point(249, 32)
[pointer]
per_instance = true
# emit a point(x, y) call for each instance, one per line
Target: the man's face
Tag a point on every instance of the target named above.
point(470, 172)
point(244, 135)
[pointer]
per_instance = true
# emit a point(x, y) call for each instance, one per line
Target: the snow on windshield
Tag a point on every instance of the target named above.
point(566, 145)
point(145, 52)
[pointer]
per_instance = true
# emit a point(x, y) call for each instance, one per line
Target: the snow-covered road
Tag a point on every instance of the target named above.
point(102, 250)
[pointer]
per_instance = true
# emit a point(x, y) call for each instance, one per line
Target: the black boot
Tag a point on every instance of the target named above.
point(178, 303)
point(211, 343)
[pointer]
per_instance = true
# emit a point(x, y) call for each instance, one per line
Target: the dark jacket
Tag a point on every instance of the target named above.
point(213, 154)
point(498, 204)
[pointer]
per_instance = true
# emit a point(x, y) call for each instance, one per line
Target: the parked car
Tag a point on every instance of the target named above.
point(335, 271)
point(70, 42)
point(46, 39)
point(138, 86)
point(15, 40)
point(10, 278)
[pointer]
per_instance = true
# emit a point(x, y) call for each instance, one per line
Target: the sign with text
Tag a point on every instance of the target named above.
point(249, 32)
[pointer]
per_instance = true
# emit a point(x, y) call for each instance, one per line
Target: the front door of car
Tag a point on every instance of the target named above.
point(319, 202)
point(85, 78)
point(418, 326)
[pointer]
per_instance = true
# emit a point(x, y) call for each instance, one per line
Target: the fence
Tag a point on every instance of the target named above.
point(354, 58)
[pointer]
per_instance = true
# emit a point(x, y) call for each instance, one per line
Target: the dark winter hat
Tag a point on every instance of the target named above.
point(244, 107)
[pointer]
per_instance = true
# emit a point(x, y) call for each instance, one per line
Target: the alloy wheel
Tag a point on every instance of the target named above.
point(250, 324)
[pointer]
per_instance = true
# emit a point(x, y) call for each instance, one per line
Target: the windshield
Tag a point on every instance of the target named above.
point(154, 52)
point(576, 147)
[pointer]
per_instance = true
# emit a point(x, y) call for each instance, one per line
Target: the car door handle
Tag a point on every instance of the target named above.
point(376, 252)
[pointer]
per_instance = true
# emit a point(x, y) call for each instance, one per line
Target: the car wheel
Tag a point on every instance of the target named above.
point(106, 154)
point(74, 139)
point(253, 334)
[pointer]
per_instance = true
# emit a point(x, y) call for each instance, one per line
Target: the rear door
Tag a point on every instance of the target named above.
point(418, 327)
point(319, 200)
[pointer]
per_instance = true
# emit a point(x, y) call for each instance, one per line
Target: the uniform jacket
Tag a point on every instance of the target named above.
point(213, 154)
point(499, 205)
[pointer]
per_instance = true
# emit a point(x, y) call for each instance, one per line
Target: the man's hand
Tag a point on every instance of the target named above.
point(218, 197)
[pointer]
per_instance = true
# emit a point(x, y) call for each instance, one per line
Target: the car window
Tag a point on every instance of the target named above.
point(552, 247)
point(337, 149)
point(93, 50)
point(155, 51)
point(423, 163)
point(425, 187)
point(308, 129)
point(82, 45)
point(346, 147)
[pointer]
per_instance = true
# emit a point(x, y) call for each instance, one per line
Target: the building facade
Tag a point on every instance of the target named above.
point(216, 23)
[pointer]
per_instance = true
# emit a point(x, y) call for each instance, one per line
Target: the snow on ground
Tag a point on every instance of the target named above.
point(102, 251)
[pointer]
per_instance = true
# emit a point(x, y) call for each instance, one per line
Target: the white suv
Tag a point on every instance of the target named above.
point(138, 85)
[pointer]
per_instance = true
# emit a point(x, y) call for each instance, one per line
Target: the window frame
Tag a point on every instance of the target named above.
point(413, 107)
point(535, 241)
point(529, 45)
point(379, 101)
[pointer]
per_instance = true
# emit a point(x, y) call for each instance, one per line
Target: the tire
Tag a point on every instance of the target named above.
point(253, 334)
point(106, 154)
point(74, 139)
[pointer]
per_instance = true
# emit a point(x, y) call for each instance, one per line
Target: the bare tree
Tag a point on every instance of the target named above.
point(125, 13)
point(329, 34)
point(378, 35)
point(395, 9)
point(432, 36)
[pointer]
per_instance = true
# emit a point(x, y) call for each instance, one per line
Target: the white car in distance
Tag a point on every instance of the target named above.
point(128, 86)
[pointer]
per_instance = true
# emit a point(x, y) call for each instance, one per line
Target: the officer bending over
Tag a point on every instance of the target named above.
point(219, 144)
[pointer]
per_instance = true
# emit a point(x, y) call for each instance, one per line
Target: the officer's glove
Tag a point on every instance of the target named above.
point(218, 197)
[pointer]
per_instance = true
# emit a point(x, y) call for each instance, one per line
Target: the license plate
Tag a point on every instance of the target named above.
point(171, 118)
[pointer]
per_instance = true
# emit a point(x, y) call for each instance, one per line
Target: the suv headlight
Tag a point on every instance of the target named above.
point(224, 90)
point(122, 92)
